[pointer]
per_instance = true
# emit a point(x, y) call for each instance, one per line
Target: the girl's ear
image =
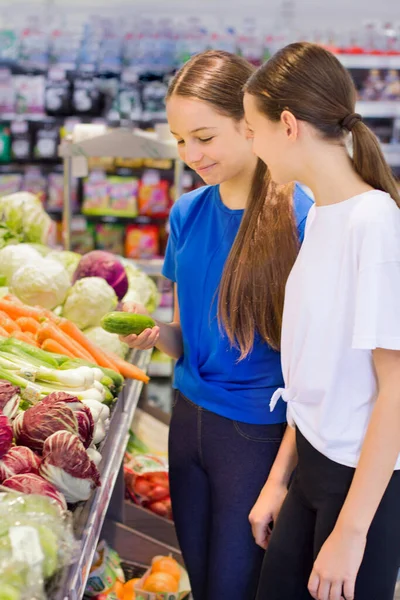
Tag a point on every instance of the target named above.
point(290, 124)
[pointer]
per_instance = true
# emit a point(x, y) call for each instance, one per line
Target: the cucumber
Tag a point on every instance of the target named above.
point(125, 323)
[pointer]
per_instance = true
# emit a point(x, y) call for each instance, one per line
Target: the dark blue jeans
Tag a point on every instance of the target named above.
point(217, 470)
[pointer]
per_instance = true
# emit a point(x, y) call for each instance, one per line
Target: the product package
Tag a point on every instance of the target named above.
point(141, 241)
point(154, 198)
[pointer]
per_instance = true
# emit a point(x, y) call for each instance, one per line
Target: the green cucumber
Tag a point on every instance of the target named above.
point(125, 323)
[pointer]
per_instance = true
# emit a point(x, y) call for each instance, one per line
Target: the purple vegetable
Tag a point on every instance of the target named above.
point(29, 483)
point(67, 465)
point(9, 398)
point(6, 435)
point(34, 426)
point(18, 460)
point(82, 413)
point(103, 264)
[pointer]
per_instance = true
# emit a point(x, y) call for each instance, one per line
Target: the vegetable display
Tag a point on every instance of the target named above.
point(58, 384)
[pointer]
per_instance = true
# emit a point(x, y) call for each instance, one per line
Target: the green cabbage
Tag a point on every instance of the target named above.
point(24, 216)
point(14, 257)
point(44, 283)
point(142, 288)
point(68, 259)
point(88, 300)
point(107, 341)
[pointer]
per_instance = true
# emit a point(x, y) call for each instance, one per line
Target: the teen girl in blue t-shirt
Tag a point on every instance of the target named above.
point(230, 250)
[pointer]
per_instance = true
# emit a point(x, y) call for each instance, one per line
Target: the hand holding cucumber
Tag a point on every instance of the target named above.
point(134, 326)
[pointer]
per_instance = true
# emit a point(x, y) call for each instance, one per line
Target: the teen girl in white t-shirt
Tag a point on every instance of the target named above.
point(338, 531)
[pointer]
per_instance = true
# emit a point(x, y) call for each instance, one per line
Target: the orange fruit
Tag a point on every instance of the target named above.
point(160, 582)
point(167, 564)
point(129, 589)
point(119, 590)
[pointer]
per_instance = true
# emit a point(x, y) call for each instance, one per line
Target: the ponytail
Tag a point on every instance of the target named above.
point(370, 163)
point(252, 288)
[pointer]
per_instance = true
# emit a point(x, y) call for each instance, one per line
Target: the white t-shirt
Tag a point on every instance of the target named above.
point(342, 301)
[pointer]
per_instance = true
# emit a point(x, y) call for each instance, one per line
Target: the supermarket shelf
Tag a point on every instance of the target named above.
point(122, 142)
point(89, 518)
point(369, 61)
point(378, 109)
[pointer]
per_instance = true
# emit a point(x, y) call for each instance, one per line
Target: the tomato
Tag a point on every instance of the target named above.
point(142, 487)
point(158, 493)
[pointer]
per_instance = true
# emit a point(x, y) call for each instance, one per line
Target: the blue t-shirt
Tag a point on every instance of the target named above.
point(202, 231)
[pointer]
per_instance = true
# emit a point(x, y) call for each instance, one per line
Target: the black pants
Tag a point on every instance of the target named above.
point(307, 518)
point(217, 469)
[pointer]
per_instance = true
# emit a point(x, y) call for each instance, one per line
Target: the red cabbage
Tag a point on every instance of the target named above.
point(6, 435)
point(67, 465)
point(9, 398)
point(34, 426)
point(30, 483)
point(18, 460)
point(103, 264)
point(82, 413)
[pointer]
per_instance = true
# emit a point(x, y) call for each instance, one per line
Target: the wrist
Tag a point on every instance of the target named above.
point(351, 527)
point(277, 480)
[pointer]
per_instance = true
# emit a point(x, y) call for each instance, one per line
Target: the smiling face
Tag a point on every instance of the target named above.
point(274, 142)
point(215, 146)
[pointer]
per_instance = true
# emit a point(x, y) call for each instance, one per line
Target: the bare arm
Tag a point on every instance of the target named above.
point(271, 498)
point(167, 337)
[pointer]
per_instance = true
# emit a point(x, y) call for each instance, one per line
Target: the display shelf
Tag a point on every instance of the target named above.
point(89, 517)
point(379, 109)
point(124, 143)
point(369, 61)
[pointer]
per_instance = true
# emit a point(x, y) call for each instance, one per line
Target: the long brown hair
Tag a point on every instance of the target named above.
point(311, 83)
point(251, 292)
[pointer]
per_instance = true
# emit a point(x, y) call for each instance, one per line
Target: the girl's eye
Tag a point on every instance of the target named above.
point(180, 142)
point(205, 140)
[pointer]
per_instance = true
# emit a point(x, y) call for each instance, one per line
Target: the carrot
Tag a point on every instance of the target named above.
point(19, 335)
point(52, 346)
point(8, 324)
point(15, 310)
point(4, 333)
point(50, 330)
point(27, 324)
point(128, 370)
point(99, 356)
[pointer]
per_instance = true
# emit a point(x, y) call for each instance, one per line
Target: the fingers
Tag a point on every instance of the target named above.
point(349, 589)
point(261, 531)
point(323, 589)
point(146, 340)
point(336, 591)
point(313, 584)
